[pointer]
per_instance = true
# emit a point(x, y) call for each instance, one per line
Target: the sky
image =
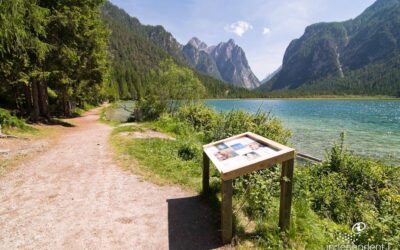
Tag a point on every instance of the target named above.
point(263, 28)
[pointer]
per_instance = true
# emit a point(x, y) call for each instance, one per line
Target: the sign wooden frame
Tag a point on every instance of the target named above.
point(276, 153)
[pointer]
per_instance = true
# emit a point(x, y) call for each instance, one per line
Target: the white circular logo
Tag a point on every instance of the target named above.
point(358, 227)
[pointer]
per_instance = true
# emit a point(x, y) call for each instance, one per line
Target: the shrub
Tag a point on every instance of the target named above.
point(150, 108)
point(349, 189)
point(216, 126)
point(199, 116)
point(9, 121)
point(188, 151)
point(240, 121)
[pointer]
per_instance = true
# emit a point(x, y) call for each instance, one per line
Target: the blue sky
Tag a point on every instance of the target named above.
point(263, 28)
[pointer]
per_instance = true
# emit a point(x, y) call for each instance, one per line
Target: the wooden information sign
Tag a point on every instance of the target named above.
point(242, 154)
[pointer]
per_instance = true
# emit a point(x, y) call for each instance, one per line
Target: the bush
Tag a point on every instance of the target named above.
point(349, 189)
point(188, 151)
point(216, 126)
point(240, 121)
point(199, 116)
point(150, 108)
point(9, 121)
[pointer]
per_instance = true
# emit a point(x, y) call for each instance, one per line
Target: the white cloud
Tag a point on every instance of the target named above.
point(266, 31)
point(239, 27)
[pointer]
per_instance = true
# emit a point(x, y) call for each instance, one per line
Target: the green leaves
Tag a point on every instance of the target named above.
point(349, 189)
point(9, 121)
point(60, 44)
point(167, 86)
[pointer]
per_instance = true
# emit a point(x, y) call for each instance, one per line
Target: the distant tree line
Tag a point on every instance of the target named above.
point(381, 78)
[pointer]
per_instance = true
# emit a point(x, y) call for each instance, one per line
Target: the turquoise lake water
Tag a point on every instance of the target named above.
point(372, 126)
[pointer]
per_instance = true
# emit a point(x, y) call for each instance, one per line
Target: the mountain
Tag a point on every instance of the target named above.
point(233, 66)
point(195, 53)
point(132, 53)
point(358, 56)
point(270, 76)
point(226, 61)
point(136, 49)
point(165, 40)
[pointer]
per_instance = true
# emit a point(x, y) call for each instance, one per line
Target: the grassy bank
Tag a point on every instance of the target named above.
point(158, 158)
point(328, 198)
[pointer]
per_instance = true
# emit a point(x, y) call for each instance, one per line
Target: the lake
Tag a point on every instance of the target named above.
point(372, 126)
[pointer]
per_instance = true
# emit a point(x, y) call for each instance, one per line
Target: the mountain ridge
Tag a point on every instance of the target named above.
point(343, 51)
point(226, 61)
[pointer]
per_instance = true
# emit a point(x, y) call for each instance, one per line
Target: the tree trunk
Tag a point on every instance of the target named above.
point(66, 106)
point(69, 110)
point(15, 90)
point(43, 100)
point(28, 99)
point(35, 113)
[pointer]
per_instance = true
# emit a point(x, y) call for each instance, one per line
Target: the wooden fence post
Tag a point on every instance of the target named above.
point(206, 173)
point(226, 211)
point(286, 194)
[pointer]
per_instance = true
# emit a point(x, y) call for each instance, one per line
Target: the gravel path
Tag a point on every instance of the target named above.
point(74, 197)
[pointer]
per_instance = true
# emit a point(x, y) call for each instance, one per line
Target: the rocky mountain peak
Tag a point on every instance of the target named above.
point(226, 61)
point(233, 65)
point(230, 44)
point(198, 44)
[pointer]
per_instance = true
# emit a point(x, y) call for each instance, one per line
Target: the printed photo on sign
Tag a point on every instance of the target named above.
point(225, 154)
point(251, 156)
point(238, 146)
point(221, 146)
point(255, 145)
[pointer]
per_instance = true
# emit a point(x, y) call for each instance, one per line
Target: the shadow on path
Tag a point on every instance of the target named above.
point(190, 224)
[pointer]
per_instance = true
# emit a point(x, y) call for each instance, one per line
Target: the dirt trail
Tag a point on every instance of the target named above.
point(74, 197)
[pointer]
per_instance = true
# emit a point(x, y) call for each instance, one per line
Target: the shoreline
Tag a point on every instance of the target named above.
point(338, 98)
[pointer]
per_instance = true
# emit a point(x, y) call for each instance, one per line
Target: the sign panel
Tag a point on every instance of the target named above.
point(241, 151)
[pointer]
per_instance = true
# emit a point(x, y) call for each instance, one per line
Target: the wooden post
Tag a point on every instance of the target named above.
point(226, 211)
point(286, 194)
point(206, 173)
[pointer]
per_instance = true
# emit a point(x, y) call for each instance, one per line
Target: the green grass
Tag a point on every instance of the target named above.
point(159, 157)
